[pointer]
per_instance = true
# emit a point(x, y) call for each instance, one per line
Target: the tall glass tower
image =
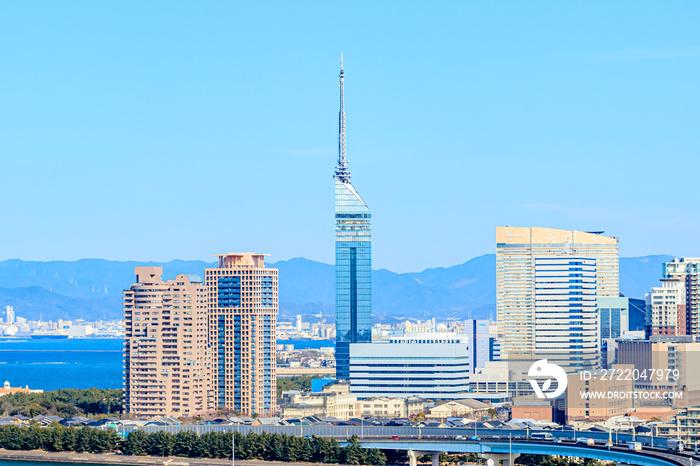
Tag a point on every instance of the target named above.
point(353, 258)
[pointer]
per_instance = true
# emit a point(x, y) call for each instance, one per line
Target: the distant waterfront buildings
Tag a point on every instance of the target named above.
point(9, 315)
point(166, 359)
point(243, 306)
point(353, 257)
point(547, 284)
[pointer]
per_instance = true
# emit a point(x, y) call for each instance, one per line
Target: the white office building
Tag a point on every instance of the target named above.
point(485, 347)
point(426, 365)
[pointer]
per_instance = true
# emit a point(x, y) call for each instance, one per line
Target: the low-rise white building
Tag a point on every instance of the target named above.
point(426, 365)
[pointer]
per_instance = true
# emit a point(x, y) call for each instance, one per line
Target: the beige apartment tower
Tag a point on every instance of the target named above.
point(166, 359)
point(547, 284)
point(686, 272)
point(243, 304)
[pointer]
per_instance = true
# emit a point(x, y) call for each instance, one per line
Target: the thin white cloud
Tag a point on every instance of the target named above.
point(661, 53)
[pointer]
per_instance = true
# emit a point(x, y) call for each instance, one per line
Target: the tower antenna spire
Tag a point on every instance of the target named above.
point(342, 172)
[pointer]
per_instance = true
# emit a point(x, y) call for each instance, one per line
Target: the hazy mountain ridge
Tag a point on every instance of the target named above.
point(92, 287)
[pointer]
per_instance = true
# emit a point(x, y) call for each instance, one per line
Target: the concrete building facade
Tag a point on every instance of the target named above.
point(688, 271)
point(580, 405)
point(243, 304)
point(166, 355)
point(666, 311)
point(666, 364)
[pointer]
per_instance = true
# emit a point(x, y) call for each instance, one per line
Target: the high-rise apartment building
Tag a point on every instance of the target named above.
point(353, 257)
point(687, 271)
point(243, 304)
point(666, 312)
point(547, 284)
point(166, 358)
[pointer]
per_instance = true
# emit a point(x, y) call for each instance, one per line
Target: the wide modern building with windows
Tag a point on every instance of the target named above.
point(243, 304)
point(426, 365)
point(353, 258)
point(547, 285)
point(166, 355)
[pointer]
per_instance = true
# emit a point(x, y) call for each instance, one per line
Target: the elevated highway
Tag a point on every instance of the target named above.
point(498, 444)
point(508, 451)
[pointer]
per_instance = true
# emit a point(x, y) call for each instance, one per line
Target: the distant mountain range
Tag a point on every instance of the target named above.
point(91, 288)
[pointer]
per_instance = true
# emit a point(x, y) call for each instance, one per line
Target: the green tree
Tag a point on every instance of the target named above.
point(135, 443)
point(159, 443)
point(352, 453)
point(185, 440)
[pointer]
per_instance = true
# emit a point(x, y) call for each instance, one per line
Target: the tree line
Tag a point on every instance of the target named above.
point(65, 402)
point(58, 438)
point(264, 446)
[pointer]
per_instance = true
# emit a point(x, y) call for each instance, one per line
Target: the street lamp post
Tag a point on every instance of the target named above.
point(510, 449)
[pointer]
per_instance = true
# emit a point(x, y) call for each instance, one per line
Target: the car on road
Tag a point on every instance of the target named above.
point(474, 437)
point(585, 441)
point(394, 437)
point(675, 445)
point(634, 446)
point(460, 437)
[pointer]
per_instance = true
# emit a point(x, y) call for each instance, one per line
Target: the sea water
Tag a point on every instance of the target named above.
point(76, 363)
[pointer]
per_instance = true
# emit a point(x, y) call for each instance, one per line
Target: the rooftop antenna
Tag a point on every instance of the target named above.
point(342, 172)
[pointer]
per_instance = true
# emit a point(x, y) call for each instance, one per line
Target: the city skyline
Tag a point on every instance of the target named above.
point(467, 117)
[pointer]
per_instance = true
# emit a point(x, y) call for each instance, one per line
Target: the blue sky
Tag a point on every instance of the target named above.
point(162, 130)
